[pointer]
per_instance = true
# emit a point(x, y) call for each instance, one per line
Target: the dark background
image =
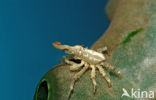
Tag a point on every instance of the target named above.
point(27, 29)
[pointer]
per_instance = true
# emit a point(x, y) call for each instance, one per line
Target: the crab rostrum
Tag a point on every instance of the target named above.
point(88, 59)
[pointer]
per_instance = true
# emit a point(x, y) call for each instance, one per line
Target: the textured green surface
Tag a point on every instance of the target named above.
point(131, 35)
point(136, 60)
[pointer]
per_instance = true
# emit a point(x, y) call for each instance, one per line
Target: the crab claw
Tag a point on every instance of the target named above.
point(58, 45)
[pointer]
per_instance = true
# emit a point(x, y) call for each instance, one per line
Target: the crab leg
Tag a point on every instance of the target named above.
point(73, 66)
point(77, 76)
point(100, 50)
point(117, 71)
point(93, 77)
point(102, 72)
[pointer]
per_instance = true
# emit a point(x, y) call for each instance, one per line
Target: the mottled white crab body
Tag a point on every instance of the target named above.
point(90, 56)
point(89, 59)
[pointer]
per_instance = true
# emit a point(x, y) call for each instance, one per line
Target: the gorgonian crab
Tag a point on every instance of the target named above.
point(89, 59)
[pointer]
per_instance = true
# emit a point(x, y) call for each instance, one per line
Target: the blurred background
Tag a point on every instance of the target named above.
point(27, 29)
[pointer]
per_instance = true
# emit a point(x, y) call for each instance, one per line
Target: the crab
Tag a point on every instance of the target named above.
point(88, 59)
